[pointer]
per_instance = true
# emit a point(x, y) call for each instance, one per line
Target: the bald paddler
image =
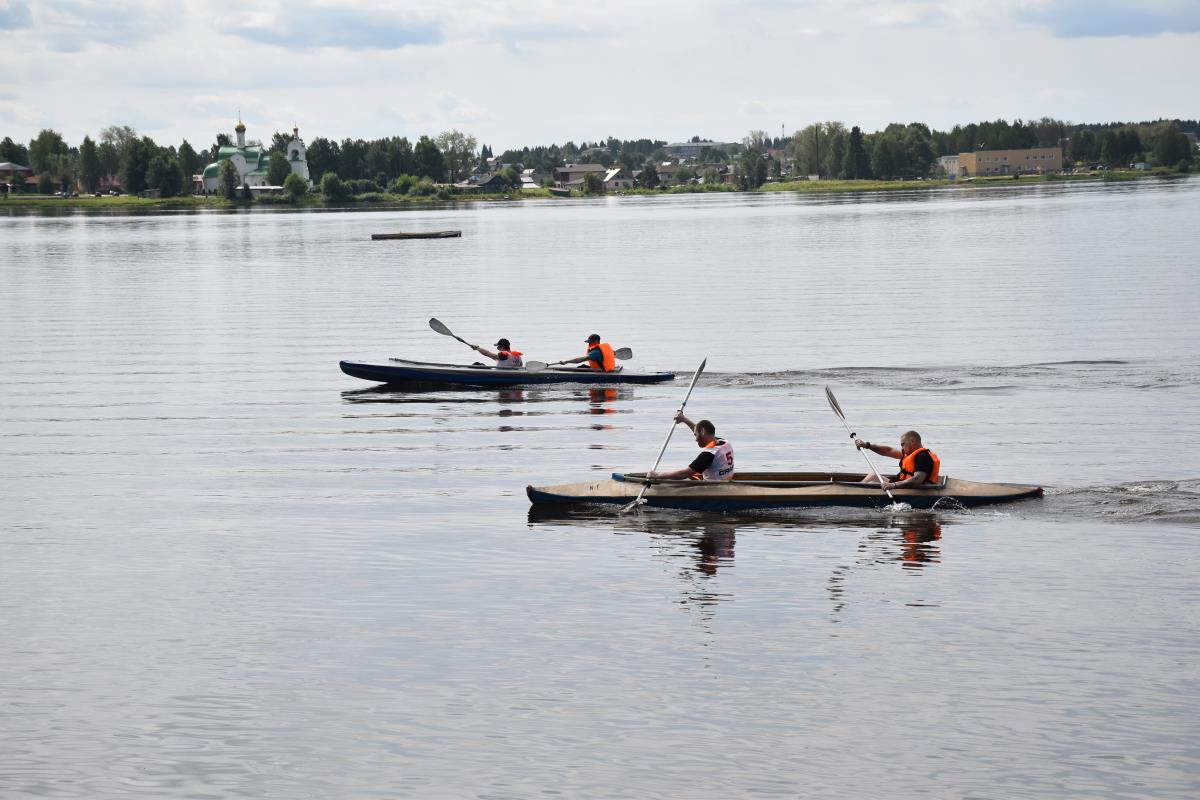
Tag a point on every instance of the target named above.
point(919, 467)
point(715, 461)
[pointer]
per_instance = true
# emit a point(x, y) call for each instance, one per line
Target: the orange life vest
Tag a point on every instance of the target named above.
point(721, 468)
point(610, 359)
point(908, 466)
point(509, 358)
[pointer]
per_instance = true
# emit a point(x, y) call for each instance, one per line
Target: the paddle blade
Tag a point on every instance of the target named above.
point(833, 403)
point(623, 353)
point(437, 325)
point(625, 509)
point(535, 366)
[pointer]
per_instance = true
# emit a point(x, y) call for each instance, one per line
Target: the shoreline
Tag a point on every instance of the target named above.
point(376, 201)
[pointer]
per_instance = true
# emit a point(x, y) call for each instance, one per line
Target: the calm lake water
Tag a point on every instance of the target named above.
point(230, 571)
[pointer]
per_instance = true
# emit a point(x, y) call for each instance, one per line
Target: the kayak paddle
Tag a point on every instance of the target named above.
point(441, 328)
point(638, 500)
point(837, 409)
point(623, 353)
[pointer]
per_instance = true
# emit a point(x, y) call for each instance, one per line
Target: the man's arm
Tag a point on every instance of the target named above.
point(881, 449)
point(698, 465)
point(484, 352)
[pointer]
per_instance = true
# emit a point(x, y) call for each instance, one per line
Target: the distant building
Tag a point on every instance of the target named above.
point(948, 165)
point(697, 149)
point(618, 178)
point(1010, 162)
point(571, 175)
point(13, 176)
point(251, 161)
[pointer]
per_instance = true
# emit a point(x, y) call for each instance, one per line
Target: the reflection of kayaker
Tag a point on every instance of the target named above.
point(916, 537)
point(716, 547)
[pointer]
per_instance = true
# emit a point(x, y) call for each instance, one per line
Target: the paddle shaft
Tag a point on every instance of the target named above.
point(637, 501)
point(623, 353)
point(837, 409)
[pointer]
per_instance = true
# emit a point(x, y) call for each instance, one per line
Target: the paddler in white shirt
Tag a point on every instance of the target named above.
point(505, 357)
point(715, 461)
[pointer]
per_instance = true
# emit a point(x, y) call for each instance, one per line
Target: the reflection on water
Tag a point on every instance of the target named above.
point(706, 542)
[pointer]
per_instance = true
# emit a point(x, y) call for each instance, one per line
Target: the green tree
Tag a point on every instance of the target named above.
point(189, 161)
point(46, 183)
point(278, 168)
point(883, 165)
point(44, 148)
point(593, 183)
point(511, 178)
point(648, 177)
point(857, 165)
point(247, 195)
point(1110, 149)
point(89, 165)
point(1084, 146)
point(402, 184)
point(834, 153)
point(751, 169)
point(323, 156)
point(430, 161)
point(223, 140)
point(458, 150)
point(333, 188)
point(14, 152)
point(1171, 147)
point(110, 158)
point(136, 163)
point(227, 180)
point(295, 186)
point(163, 173)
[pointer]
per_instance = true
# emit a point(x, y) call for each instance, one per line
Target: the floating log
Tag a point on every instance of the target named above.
point(418, 235)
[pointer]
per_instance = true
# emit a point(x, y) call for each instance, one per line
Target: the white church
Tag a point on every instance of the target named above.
point(251, 161)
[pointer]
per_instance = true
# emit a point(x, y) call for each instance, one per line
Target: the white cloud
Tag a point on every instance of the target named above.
point(527, 72)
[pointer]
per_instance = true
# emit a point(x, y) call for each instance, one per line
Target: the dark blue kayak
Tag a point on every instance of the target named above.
point(419, 372)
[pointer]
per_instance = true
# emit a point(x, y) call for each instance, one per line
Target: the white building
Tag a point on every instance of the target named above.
point(251, 161)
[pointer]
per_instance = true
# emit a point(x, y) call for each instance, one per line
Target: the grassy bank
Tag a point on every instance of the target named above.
point(385, 200)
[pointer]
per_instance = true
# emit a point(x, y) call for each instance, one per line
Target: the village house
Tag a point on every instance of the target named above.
point(570, 176)
point(618, 178)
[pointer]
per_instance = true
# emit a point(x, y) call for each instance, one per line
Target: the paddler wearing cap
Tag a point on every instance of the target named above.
point(505, 357)
point(599, 355)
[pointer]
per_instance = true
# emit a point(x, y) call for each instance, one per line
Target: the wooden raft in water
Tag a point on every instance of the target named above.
point(418, 235)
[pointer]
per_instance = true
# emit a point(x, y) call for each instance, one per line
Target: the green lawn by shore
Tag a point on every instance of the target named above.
point(88, 203)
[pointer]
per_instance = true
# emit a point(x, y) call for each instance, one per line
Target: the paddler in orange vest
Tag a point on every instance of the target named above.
point(919, 467)
point(715, 462)
point(505, 357)
point(599, 355)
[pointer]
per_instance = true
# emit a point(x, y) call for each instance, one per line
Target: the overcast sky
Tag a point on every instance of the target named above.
point(529, 72)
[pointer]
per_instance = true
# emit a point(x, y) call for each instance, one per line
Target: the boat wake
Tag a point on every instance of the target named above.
point(1175, 501)
point(980, 379)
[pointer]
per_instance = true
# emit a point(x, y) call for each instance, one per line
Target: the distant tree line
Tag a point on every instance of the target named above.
point(396, 165)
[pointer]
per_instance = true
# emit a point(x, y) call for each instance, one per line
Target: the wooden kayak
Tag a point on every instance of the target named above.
point(399, 371)
point(767, 490)
point(418, 235)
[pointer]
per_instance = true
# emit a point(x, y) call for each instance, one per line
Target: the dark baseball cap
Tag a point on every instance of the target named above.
point(595, 337)
point(503, 343)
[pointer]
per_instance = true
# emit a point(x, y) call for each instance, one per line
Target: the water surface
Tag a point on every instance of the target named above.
point(231, 571)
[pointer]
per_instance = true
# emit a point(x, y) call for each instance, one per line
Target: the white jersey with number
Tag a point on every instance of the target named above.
point(509, 359)
point(721, 468)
